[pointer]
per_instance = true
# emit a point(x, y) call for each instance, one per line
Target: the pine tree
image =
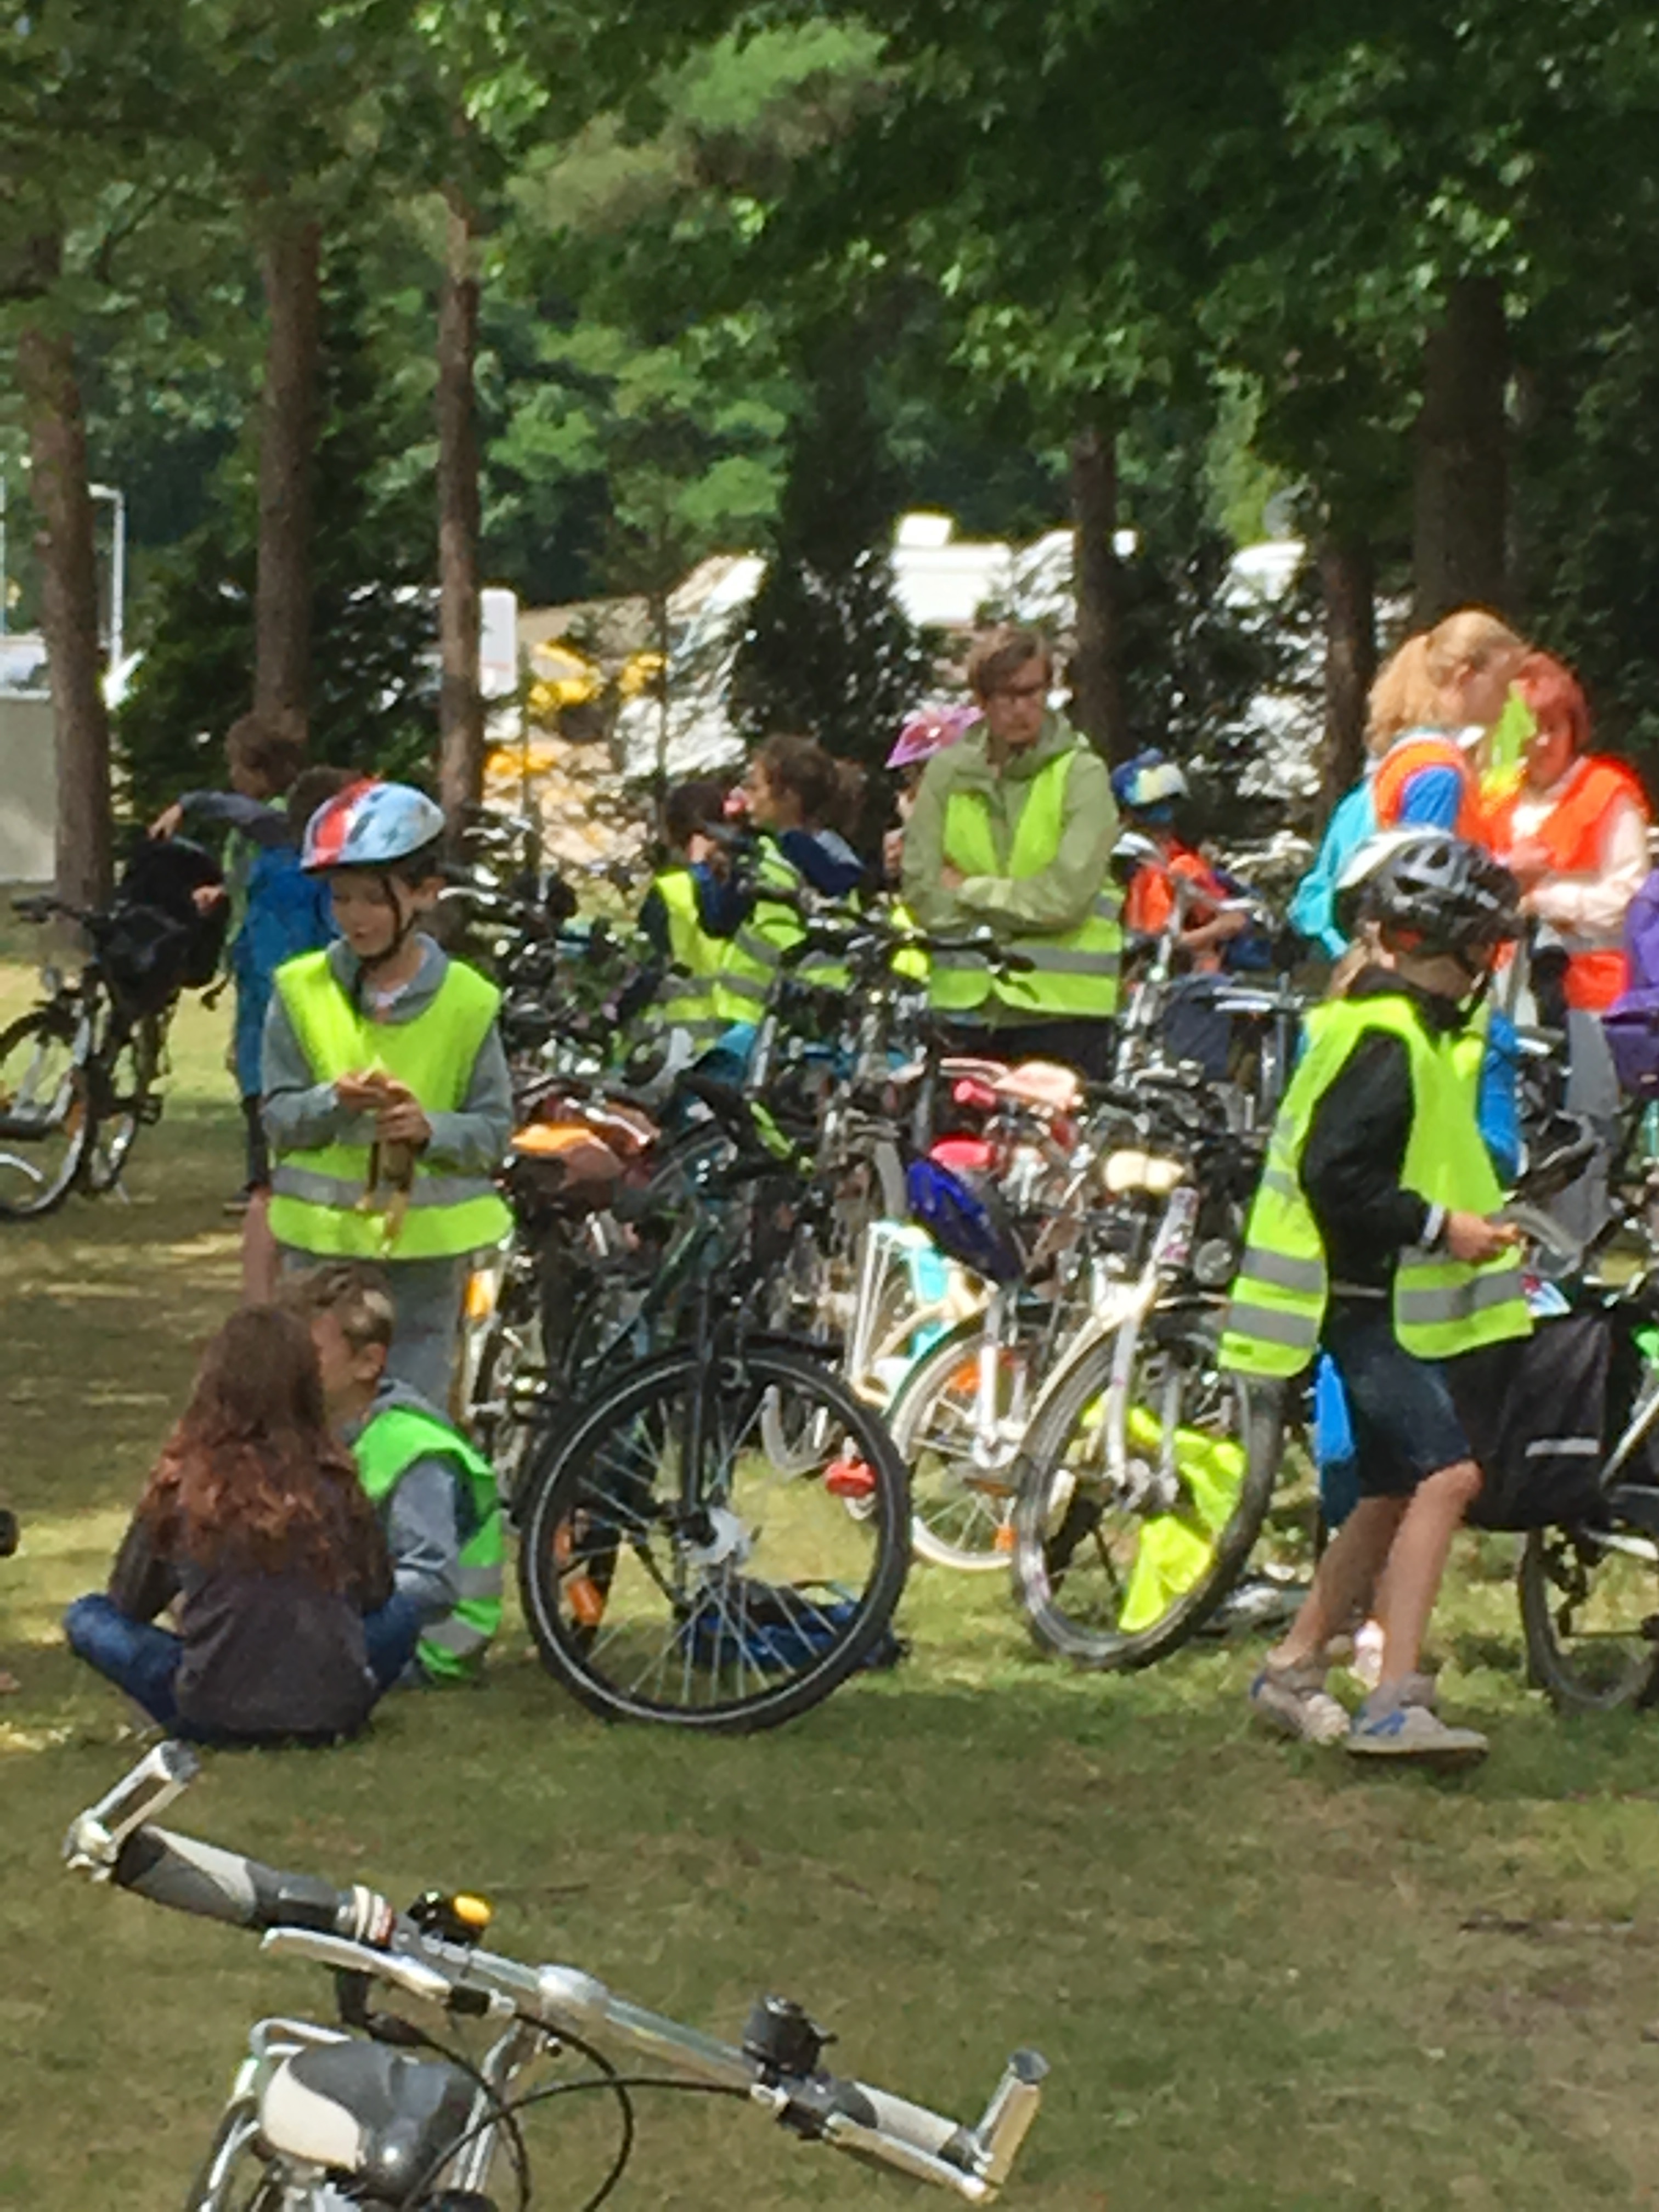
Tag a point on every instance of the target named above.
point(827, 650)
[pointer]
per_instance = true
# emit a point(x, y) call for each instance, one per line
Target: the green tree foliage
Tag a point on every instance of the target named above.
point(827, 650)
point(373, 700)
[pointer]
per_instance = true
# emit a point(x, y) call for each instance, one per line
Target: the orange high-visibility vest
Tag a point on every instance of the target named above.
point(1406, 757)
point(1572, 834)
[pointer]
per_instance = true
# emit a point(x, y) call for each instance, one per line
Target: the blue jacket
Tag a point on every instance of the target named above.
point(288, 912)
point(1352, 825)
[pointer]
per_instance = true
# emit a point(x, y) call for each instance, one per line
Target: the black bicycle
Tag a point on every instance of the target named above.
point(77, 1073)
point(675, 1564)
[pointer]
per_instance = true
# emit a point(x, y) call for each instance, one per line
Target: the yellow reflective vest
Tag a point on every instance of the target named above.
point(319, 1195)
point(1442, 1306)
point(1073, 973)
point(686, 1000)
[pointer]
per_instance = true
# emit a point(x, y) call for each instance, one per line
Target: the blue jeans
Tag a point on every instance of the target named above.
point(134, 1655)
point(391, 1635)
point(143, 1660)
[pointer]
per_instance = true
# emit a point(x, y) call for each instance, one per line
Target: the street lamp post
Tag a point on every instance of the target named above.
point(117, 575)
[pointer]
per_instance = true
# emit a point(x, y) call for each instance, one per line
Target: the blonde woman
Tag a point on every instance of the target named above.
point(1441, 684)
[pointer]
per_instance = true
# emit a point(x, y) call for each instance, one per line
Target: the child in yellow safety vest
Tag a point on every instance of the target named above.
point(387, 1100)
point(675, 916)
point(437, 1495)
point(1373, 1236)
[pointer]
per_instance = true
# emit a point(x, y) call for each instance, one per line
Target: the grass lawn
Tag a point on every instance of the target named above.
point(1261, 1980)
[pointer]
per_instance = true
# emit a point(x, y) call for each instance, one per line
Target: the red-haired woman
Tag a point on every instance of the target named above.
point(254, 1521)
point(1575, 837)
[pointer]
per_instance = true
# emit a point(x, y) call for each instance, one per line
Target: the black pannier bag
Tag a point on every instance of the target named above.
point(157, 943)
point(1542, 1437)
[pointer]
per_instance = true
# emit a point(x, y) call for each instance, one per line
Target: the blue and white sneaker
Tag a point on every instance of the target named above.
point(1293, 1701)
point(1399, 1721)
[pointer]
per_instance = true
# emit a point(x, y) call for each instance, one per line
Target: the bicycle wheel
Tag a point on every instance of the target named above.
point(1590, 1612)
point(726, 1595)
point(1117, 1566)
point(46, 1112)
point(127, 1100)
point(959, 1421)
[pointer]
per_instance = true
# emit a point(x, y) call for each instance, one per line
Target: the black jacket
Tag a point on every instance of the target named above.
point(265, 1655)
point(1356, 1146)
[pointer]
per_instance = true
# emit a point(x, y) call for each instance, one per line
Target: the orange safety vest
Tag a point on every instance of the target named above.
point(1406, 757)
point(1571, 834)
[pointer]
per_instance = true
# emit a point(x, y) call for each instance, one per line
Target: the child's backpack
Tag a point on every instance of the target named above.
point(157, 942)
point(1631, 1023)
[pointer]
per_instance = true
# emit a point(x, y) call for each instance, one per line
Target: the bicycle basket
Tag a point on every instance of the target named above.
point(777, 1629)
point(967, 1217)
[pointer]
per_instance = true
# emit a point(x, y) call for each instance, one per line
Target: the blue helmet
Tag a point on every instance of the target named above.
point(1149, 786)
point(371, 825)
point(967, 1217)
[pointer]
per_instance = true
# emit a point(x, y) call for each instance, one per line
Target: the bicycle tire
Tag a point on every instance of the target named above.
point(965, 1536)
point(115, 1131)
point(1038, 1584)
point(78, 1115)
point(575, 1497)
point(1545, 1592)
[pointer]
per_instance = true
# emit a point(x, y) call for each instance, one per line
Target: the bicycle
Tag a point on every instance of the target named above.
point(717, 1534)
point(321, 2117)
point(78, 1071)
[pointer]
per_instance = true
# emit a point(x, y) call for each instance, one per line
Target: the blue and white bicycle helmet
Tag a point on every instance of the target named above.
point(1149, 786)
point(371, 825)
point(967, 1219)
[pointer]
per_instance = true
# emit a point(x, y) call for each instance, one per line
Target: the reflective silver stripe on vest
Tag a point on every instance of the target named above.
point(1273, 1325)
point(1281, 1273)
point(1057, 962)
point(1565, 1448)
point(756, 987)
point(1424, 1305)
point(754, 946)
point(457, 1636)
point(1280, 1184)
point(478, 1582)
point(314, 1189)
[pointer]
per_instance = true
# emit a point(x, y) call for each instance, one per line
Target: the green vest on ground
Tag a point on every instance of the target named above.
point(686, 1000)
point(390, 1443)
point(1073, 973)
point(1442, 1306)
point(318, 1195)
point(753, 956)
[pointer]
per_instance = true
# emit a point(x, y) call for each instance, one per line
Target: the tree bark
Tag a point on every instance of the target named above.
point(1097, 675)
point(460, 703)
point(1461, 457)
point(288, 438)
point(1347, 584)
point(69, 606)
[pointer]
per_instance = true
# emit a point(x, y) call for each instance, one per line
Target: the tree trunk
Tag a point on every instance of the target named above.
point(1096, 676)
point(1347, 584)
point(288, 437)
point(69, 604)
point(1461, 456)
point(460, 703)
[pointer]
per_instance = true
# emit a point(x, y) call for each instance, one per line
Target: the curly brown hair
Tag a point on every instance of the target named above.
point(250, 1476)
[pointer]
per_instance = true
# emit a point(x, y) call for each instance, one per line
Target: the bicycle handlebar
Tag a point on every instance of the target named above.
point(356, 1932)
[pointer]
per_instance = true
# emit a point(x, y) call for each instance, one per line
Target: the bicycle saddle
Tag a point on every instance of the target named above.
point(359, 2109)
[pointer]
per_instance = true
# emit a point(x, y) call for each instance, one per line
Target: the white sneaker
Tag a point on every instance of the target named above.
point(1293, 1701)
point(1401, 1723)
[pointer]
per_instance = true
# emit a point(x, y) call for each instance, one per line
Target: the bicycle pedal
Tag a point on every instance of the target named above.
point(850, 1478)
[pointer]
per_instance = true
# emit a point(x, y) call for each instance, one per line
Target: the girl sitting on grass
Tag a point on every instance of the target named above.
point(253, 1520)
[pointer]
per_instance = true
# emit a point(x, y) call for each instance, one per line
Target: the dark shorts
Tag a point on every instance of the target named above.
point(1406, 1424)
point(259, 1153)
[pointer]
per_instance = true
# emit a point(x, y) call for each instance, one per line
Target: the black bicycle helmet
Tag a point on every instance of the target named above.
point(1431, 892)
